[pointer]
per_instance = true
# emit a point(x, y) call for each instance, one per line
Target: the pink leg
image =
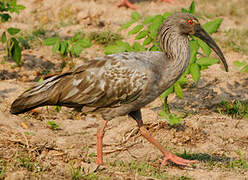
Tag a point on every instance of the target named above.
point(100, 134)
point(168, 1)
point(167, 155)
point(127, 4)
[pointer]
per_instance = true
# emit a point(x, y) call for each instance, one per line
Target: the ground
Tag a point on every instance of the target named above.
point(31, 149)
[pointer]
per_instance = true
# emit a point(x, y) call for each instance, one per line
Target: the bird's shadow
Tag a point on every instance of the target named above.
point(204, 157)
point(5, 75)
point(29, 63)
point(203, 98)
point(33, 62)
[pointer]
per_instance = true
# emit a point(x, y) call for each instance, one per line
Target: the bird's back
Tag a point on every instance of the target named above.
point(115, 81)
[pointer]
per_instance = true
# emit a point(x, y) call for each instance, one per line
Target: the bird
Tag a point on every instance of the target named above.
point(129, 4)
point(121, 84)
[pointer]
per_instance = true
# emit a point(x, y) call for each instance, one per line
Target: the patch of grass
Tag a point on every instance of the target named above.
point(235, 109)
point(3, 167)
point(237, 40)
point(26, 163)
point(240, 163)
point(143, 169)
point(104, 37)
point(90, 176)
point(67, 16)
point(33, 38)
point(76, 173)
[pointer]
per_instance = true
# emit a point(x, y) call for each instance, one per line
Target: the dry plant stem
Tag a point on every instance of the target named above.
point(167, 155)
point(99, 135)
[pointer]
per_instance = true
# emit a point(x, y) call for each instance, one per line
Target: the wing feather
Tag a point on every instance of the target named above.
point(109, 83)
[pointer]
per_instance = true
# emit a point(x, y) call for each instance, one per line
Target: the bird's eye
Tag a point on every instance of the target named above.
point(190, 21)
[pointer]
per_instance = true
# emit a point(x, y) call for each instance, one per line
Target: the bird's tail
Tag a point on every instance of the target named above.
point(45, 93)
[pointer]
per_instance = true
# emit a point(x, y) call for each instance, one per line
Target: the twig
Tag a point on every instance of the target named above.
point(120, 149)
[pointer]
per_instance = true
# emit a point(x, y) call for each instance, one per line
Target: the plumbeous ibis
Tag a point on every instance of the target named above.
point(121, 84)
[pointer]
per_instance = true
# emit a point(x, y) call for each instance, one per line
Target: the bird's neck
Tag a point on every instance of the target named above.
point(177, 55)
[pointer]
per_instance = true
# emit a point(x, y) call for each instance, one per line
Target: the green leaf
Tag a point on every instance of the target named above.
point(4, 37)
point(84, 43)
point(19, 7)
point(154, 27)
point(192, 8)
point(178, 90)
point(15, 51)
point(205, 48)
point(167, 92)
point(184, 10)
point(173, 119)
point(135, 29)
point(183, 80)
point(141, 35)
point(120, 46)
point(63, 48)
point(135, 16)
point(155, 47)
point(56, 47)
point(194, 46)
point(76, 49)
point(207, 61)
point(50, 41)
point(5, 17)
point(126, 25)
point(195, 72)
point(75, 37)
point(57, 108)
point(13, 31)
point(166, 15)
point(212, 26)
point(239, 64)
point(148, 20)
point(138, 47)
point(147, 41)
point(41, 80)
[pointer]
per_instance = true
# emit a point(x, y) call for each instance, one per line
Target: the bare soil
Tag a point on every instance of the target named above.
point(30, 149)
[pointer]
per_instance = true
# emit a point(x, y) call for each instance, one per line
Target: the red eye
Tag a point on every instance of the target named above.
point(190, 21)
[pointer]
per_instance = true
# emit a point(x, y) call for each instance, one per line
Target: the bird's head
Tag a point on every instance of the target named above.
point(187, 24)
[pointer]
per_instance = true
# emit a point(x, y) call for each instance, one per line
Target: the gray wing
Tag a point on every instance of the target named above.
point(106, 82)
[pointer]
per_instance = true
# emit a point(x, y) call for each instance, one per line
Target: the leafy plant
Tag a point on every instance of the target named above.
point(68, 48)
point(173, 119)
point(53, 125)
point(240, 162)
point(146, 30)
point(27, 39)
point(235, 109)
point(13, 48)
point(3, 167)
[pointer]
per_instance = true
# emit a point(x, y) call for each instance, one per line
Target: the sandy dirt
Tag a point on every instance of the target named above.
point(30, 149)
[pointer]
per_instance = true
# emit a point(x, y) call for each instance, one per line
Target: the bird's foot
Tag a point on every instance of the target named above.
point(127, 4)
point(177, 160)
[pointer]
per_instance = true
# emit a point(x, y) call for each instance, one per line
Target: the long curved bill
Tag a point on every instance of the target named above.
point(203, 35)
